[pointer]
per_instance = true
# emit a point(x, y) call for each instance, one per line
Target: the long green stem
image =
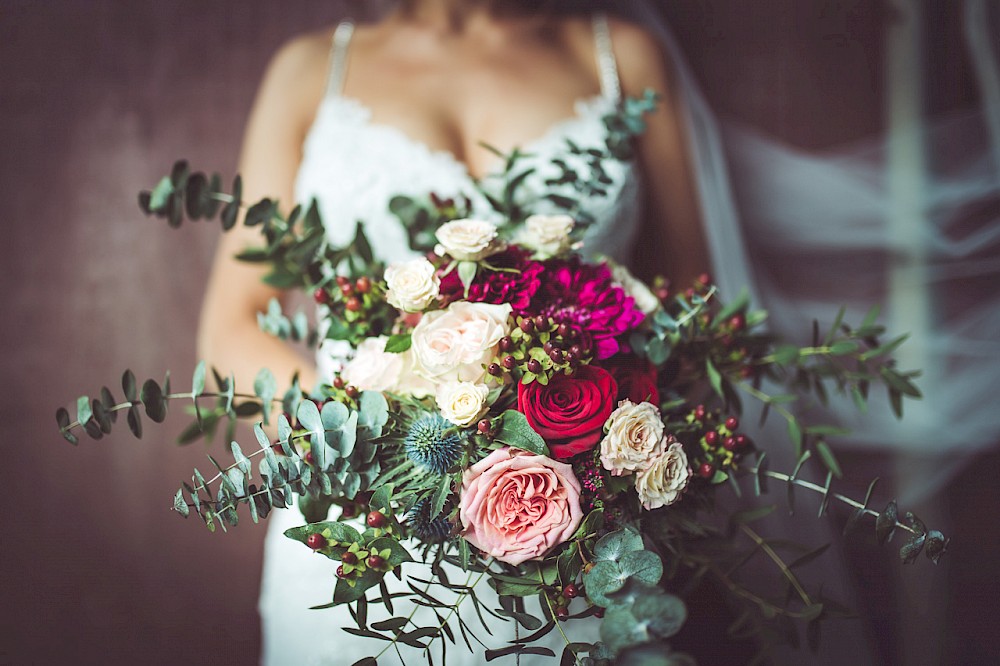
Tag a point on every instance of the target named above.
point(764, 546)
point(552, 614)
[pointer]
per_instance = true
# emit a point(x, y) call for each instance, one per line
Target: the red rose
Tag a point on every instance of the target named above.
point(569, 413)
point(636, 378)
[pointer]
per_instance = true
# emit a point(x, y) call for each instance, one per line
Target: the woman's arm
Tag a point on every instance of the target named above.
point(673, 216)
point(228, 336)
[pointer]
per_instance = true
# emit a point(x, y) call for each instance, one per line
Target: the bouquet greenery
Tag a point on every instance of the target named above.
point(546, 423)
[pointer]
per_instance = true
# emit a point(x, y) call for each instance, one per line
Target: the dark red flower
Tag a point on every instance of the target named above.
point(569, 412)
point(515, 284)
point(636, 378)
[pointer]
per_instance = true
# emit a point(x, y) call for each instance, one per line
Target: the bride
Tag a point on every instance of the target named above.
point(354, 115)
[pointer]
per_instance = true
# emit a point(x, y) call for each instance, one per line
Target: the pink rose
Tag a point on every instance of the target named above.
point(517, 506)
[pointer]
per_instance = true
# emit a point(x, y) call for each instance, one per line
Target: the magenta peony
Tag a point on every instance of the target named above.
point(585, 297)
point(517, 506)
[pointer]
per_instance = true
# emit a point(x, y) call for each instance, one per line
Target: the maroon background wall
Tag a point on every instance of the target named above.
point(97, 99)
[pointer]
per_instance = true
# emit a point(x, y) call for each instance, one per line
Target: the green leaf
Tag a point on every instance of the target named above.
point(885, 524)
point(826, 455)
point(198, 380)
point(714, 378)
point(843, 347)
point(180, 504)
point(128, 386)
point(397, 344)
point(936, 546)
point(265, 387)
point(612, 547)
point(397, 553)
point(516, 432)
point(643, 566)
point(440, 496)
point(83, 410)
point(795, 435)
point(153, 400)
point(911, 549)
point(161, 193)
point(62, 418)
point(467, 273)
point(134, 420)
point(786, 354)
point(603, 579)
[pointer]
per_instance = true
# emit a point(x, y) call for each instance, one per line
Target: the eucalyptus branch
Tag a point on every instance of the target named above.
point(863, 508)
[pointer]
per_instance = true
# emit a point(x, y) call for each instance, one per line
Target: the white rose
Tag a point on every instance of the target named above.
point(413, 285)
point(468, 240)
point(462, 403)
point(645, 300)
point(547, 235)
point(662, 481)
point(455, 343)
point(634, 438)
point(372, 368)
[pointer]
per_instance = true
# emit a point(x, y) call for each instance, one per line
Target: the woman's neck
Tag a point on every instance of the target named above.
point(449, 16)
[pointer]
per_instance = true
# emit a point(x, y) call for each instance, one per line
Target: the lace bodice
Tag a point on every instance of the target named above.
point(353, 167)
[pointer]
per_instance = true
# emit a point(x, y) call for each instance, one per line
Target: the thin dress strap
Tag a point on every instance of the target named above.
point(338, 58)
point(607, 66)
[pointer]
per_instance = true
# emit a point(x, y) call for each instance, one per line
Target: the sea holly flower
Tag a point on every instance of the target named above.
point(518, 506)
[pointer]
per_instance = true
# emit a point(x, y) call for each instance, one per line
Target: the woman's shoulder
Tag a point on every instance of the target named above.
point(639, 54)
point(642, 60)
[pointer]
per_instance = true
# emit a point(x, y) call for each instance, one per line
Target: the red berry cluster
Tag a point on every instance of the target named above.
point(540, 345)
point(360, 303)
point(721, 444)
point(562, 597)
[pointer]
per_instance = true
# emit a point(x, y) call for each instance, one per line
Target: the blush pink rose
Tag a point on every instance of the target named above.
point(517, 506)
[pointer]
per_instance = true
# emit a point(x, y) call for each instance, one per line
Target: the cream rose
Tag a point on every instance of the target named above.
point(454, 344)
point(372, 368)
point(645, 300)
point(468, 240)
point(634, 438)
point(462, 403)
point(547, 235)
point(518, 506)
point(413, 285)
point(662, 482)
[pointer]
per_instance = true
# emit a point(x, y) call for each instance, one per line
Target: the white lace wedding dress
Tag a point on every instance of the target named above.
point(352, 167)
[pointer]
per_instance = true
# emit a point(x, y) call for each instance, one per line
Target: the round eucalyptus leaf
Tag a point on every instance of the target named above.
point(613, 546)
point(643, 566)
point(664, 614)
point(605, 578)
point(620, 629)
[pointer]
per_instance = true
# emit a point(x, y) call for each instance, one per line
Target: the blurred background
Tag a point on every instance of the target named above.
point(98, 98)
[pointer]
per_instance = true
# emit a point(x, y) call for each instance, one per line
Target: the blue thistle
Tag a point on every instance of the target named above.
point(427, 528)
point(429, 447)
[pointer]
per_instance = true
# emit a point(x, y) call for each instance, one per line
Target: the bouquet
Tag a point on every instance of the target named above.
point(548, 424)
